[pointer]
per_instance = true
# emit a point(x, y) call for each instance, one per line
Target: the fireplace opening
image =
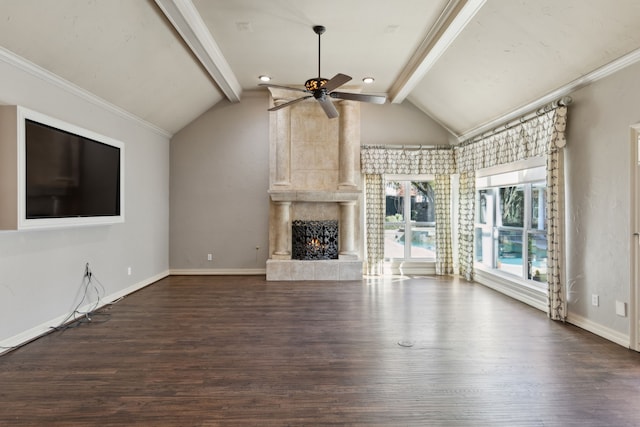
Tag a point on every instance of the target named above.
point(314, 240)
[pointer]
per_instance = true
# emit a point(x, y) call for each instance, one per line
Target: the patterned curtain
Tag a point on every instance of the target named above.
point(377, 161)
point(444, 256)
point(541, 135)
point(374, 217)
point(555, 216)
point(466, 218)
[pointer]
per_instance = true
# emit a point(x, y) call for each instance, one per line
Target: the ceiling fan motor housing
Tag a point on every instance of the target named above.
point(315, 84)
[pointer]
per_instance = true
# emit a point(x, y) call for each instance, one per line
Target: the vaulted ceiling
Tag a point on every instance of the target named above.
point(468, 64)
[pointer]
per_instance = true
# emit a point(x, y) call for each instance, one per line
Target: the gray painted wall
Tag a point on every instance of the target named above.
point(219, 182)
point(598, 174)
point(401, 124)
point(41, 271)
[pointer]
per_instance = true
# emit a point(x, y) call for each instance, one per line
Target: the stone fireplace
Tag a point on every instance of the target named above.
point(314, 177)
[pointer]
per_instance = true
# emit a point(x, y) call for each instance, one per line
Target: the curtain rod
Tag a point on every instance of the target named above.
point(409, 147)
point(562, 102)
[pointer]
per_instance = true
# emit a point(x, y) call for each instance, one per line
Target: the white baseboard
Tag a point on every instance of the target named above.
point(48, 326)
point(598, 329)
point(534, 297)
point(409, 268)
point(218, 271)
point(136, 287)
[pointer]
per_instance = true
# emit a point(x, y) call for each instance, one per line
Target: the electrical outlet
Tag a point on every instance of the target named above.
point(595, 300)
point(621, 308)
point(209, 257)
point(128, 271)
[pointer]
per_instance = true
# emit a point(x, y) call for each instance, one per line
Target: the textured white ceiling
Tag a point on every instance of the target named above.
point(360, 40)
point(123, 51)
point(514, 52)
point(505, 57)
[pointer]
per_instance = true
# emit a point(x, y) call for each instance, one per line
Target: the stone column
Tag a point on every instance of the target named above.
point(283, 145)
point(282, 230)
point(348, 143)
point(347, 230)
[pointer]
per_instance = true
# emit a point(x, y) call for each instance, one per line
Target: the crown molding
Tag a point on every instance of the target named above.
point(188, 22)
point(585, 80)
point(12, 59)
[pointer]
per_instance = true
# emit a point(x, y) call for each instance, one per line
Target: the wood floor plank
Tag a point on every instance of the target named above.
point(240, 351)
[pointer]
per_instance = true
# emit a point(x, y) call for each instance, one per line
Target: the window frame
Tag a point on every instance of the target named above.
point(408, 178)
point(528, 174)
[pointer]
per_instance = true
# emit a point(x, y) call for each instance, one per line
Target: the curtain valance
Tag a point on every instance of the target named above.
point(385, 160)
point(538, 136)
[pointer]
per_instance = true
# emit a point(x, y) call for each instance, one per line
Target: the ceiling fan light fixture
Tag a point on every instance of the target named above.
point(368, 80)
point(323, 90)
point(264, 78)
point(314, 84)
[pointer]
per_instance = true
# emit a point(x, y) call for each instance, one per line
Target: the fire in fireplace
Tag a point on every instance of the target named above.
point(314, 240)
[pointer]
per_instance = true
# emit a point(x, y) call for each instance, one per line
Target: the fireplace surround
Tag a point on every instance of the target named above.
point(314, 175)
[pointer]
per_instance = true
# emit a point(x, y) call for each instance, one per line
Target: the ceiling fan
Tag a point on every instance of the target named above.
point(323, 90)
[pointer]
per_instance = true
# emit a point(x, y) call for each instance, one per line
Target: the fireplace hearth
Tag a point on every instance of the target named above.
point(314, 240)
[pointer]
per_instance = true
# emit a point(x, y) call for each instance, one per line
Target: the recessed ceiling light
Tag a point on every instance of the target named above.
point(244, 27)
point(264, 78)
point(368, 80)
point(390, 29)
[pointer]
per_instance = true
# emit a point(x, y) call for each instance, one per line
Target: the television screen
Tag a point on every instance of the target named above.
point(69, 175)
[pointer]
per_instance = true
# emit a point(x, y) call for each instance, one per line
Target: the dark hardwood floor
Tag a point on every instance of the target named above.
point(240, 351)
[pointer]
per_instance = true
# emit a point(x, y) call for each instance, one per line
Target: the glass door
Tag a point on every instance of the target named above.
point(410, 231)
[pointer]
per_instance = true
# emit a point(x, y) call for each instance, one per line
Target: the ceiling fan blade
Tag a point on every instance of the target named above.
point(375, 99)
point(286, 104)
point(337, 81)
point(328, 107)
point(284, 87)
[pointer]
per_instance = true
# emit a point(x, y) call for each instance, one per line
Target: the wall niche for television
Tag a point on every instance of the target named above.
point(55, 174)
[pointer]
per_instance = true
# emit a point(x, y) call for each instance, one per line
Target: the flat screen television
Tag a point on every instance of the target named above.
point(71, 176)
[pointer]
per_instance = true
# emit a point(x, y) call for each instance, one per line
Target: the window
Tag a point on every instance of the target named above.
point(510, 225)
point(410, 228)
